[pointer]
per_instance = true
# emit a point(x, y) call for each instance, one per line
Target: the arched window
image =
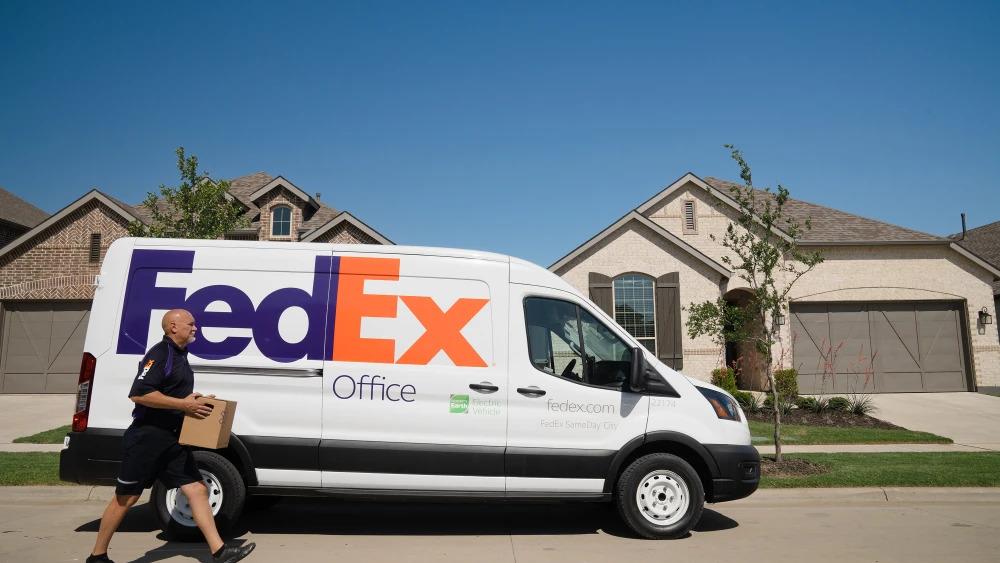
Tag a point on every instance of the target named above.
point(281, 221)
point(635, 309)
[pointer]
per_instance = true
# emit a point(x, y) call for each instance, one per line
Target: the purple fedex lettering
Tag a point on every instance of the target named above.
point(142, 296)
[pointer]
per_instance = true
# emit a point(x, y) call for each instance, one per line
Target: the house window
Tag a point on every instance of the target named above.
point(281, 221)
point(95, 247)
point(690, 221)
point(635, 309)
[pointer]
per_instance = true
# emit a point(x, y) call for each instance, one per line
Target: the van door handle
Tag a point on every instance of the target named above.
point(533, 392)
point(484, 387)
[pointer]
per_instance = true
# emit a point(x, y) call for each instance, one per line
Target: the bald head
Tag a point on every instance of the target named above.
point(178, 325)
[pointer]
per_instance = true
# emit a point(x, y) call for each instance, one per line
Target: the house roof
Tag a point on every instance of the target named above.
point(18, 211)
point(248, 188)
point(113, 204)
point(983, 242)
point(343, 217)
point(839, 227)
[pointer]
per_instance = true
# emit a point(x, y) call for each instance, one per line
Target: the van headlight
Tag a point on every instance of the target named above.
point(724, 405)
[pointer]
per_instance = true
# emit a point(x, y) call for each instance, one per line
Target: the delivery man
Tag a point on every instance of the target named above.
point(163, 392)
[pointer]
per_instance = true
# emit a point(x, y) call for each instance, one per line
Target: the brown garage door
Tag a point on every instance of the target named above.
point(879, 347)
point(42, 345)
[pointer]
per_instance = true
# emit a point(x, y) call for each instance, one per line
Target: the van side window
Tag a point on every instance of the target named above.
point(566, 340)
point(553, 328)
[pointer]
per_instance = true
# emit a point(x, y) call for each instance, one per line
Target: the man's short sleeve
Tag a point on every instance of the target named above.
point(150, 375)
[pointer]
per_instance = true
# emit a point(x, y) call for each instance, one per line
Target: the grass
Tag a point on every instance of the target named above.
point(29, 468)
point(946, 469)
point(795, 434)
point(54, 436)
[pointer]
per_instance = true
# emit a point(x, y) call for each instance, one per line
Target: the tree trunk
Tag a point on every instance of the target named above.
point(777, 413)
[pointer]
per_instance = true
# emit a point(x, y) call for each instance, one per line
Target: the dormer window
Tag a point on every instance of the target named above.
point(281, 221)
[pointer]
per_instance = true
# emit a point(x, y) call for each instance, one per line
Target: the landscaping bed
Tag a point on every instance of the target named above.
point(831, 418)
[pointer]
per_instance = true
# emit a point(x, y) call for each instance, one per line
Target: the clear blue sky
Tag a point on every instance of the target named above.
point(523, 128)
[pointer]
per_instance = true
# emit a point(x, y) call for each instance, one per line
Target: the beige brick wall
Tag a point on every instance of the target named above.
point(634, 248)
point(273, 199)
point(710, 219)
point(55, 264)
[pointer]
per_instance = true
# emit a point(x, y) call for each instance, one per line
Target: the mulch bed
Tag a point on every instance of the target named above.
point(826, 418)
point(789, 467)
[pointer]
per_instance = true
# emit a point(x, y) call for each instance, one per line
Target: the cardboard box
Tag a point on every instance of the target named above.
point(213, 431)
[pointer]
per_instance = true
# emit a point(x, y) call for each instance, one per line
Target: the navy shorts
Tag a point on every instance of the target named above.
point(152, 453)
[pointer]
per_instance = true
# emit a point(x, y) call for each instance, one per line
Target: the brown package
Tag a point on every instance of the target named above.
point(213, 431)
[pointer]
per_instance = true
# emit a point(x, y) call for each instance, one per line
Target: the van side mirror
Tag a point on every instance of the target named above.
point(637, 375)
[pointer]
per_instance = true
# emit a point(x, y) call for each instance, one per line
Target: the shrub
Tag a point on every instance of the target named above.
point(725, 378)
point(787, 381)
point(806, 403)
point(838, 404)
point(786, 406)
point(861, 405)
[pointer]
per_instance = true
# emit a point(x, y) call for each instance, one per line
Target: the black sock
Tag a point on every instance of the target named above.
point(219, 553)
point(98, 558)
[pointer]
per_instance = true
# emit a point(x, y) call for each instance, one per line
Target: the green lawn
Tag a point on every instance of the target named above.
point(54, 436)
point(29, 468)
point(794, 434)
point(945, 469)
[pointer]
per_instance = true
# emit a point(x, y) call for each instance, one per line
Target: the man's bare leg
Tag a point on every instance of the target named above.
point(197, 495)
point(111, 519)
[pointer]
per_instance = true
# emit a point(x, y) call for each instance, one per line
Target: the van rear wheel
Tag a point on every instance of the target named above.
point(226, 496)
point(660, 496)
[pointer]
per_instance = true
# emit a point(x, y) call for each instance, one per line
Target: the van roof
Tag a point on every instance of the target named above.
point(346, 248)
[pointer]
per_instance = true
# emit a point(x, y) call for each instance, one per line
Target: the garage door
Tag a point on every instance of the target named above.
point(42, 345)
point(879, 347)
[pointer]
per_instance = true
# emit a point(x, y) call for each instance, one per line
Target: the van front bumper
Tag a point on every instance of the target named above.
point(739, 472)
point(91, 457)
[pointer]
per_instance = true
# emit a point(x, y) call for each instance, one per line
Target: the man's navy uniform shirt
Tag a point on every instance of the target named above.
point(164, 368)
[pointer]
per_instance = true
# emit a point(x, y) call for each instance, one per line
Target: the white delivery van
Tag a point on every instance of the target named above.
point(405, 372)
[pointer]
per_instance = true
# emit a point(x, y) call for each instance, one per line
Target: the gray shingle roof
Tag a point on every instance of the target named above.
point(15, 210)
point(984, 242)
point(833, 225)
point(242, 187)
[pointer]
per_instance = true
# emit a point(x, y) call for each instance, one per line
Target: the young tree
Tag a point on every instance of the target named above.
point(200, 207)
point(763, 251)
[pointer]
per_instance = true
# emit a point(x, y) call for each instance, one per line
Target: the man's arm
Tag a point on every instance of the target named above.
point(189, 405)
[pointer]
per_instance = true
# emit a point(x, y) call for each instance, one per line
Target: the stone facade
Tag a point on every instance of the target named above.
point(56, 264)
point(919, 272)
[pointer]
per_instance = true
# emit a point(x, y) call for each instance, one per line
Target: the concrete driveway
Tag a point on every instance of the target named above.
point(24, 415)
point(970, 419)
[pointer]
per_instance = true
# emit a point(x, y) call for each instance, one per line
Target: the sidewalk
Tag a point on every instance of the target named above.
point(871, 448)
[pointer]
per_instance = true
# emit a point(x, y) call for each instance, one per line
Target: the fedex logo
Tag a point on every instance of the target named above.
point(335, 308)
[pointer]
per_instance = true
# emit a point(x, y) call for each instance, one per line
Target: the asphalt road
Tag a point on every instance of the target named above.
point(816, 525)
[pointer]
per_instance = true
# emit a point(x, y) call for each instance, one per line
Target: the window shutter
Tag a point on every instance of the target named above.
point(669, 333)
point(600, 292)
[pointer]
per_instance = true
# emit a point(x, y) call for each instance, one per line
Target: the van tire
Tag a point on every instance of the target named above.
point(675, 505)
point(230, 486)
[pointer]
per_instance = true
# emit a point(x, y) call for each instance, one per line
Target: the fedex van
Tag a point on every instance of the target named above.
point(404, 372)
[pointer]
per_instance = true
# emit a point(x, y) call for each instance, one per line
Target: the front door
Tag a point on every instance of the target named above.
point(569, 414)
point(414, 392)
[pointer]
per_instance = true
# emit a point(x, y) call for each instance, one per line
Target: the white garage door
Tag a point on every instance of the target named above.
point(879, 347)
point(41, 346)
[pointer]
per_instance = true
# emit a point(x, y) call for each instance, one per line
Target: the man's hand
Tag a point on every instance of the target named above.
point(193, 407)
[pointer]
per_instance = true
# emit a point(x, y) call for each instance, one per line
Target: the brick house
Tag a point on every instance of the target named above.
point(984, 242)
point(16, 217)
point(47, 271)
point(889, 310)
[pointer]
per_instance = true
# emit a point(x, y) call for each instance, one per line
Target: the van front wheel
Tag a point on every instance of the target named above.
point(660, 496)
point(226, 496)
